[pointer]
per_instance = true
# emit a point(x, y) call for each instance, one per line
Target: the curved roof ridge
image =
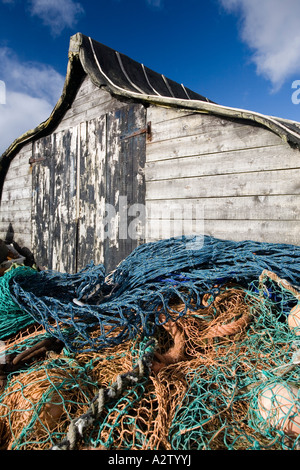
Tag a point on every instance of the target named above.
point(190, 100)
point(123, 75)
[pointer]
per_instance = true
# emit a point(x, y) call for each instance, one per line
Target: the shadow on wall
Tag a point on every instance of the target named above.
point(11, 252)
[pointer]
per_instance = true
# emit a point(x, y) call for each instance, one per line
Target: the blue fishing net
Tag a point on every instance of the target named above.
point(130, 300)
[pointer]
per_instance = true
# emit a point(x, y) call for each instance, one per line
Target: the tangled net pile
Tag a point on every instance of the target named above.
point(185, 346)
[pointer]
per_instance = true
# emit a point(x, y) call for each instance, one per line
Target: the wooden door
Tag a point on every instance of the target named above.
point(112, 160)
point(54, 227)
point(87, 181)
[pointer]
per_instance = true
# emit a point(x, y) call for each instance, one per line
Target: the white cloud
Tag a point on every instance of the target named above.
point(32, 90)
point(36, 79)
point(57, 14)
point(20, 113)
point(271, 30)
point(156, 3)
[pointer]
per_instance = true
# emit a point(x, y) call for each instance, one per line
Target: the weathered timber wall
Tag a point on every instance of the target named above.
point(90, 102)
point(111, 168)
point(56, 206)
point(89, 161)
point(197, 174)
point(242, 179)
point(15, 209)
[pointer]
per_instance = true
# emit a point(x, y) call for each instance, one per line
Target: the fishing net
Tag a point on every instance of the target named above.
point(40, 400)
point(129, 301)
point(224, 368)
point(12, 317)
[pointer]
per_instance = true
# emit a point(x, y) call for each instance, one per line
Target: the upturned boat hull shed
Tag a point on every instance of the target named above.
point(128, 156)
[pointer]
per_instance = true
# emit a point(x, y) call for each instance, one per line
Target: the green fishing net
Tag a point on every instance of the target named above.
point(12, 317)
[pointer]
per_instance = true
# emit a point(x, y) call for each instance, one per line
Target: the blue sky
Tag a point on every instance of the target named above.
point(239, 53)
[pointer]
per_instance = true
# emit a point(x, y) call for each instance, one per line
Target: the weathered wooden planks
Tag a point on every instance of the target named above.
point(215, 141)
point(109, 184)
point(54, 201)
point(91, 208)
point(90, 103)
point(63, 207)
point(277, 157)
point(242, 180)
point(274, 231)
point(124, 185)
point(42, 187)
point(183, 125)
point(241, 184)
point(15, 209)
point(79, 188)
point(41, 201)
point(16, 194)
point(18, 182)
point(197, 174)
point(283, 207)
point(157, 114)
point(17, 205)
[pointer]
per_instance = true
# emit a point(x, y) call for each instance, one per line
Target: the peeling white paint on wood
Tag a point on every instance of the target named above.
point(91, 167)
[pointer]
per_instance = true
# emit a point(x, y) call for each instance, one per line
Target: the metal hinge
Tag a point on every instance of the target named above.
point(146, 130)
point(36, 160)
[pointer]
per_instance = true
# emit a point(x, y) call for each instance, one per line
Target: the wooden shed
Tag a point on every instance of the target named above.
point(122, 138)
